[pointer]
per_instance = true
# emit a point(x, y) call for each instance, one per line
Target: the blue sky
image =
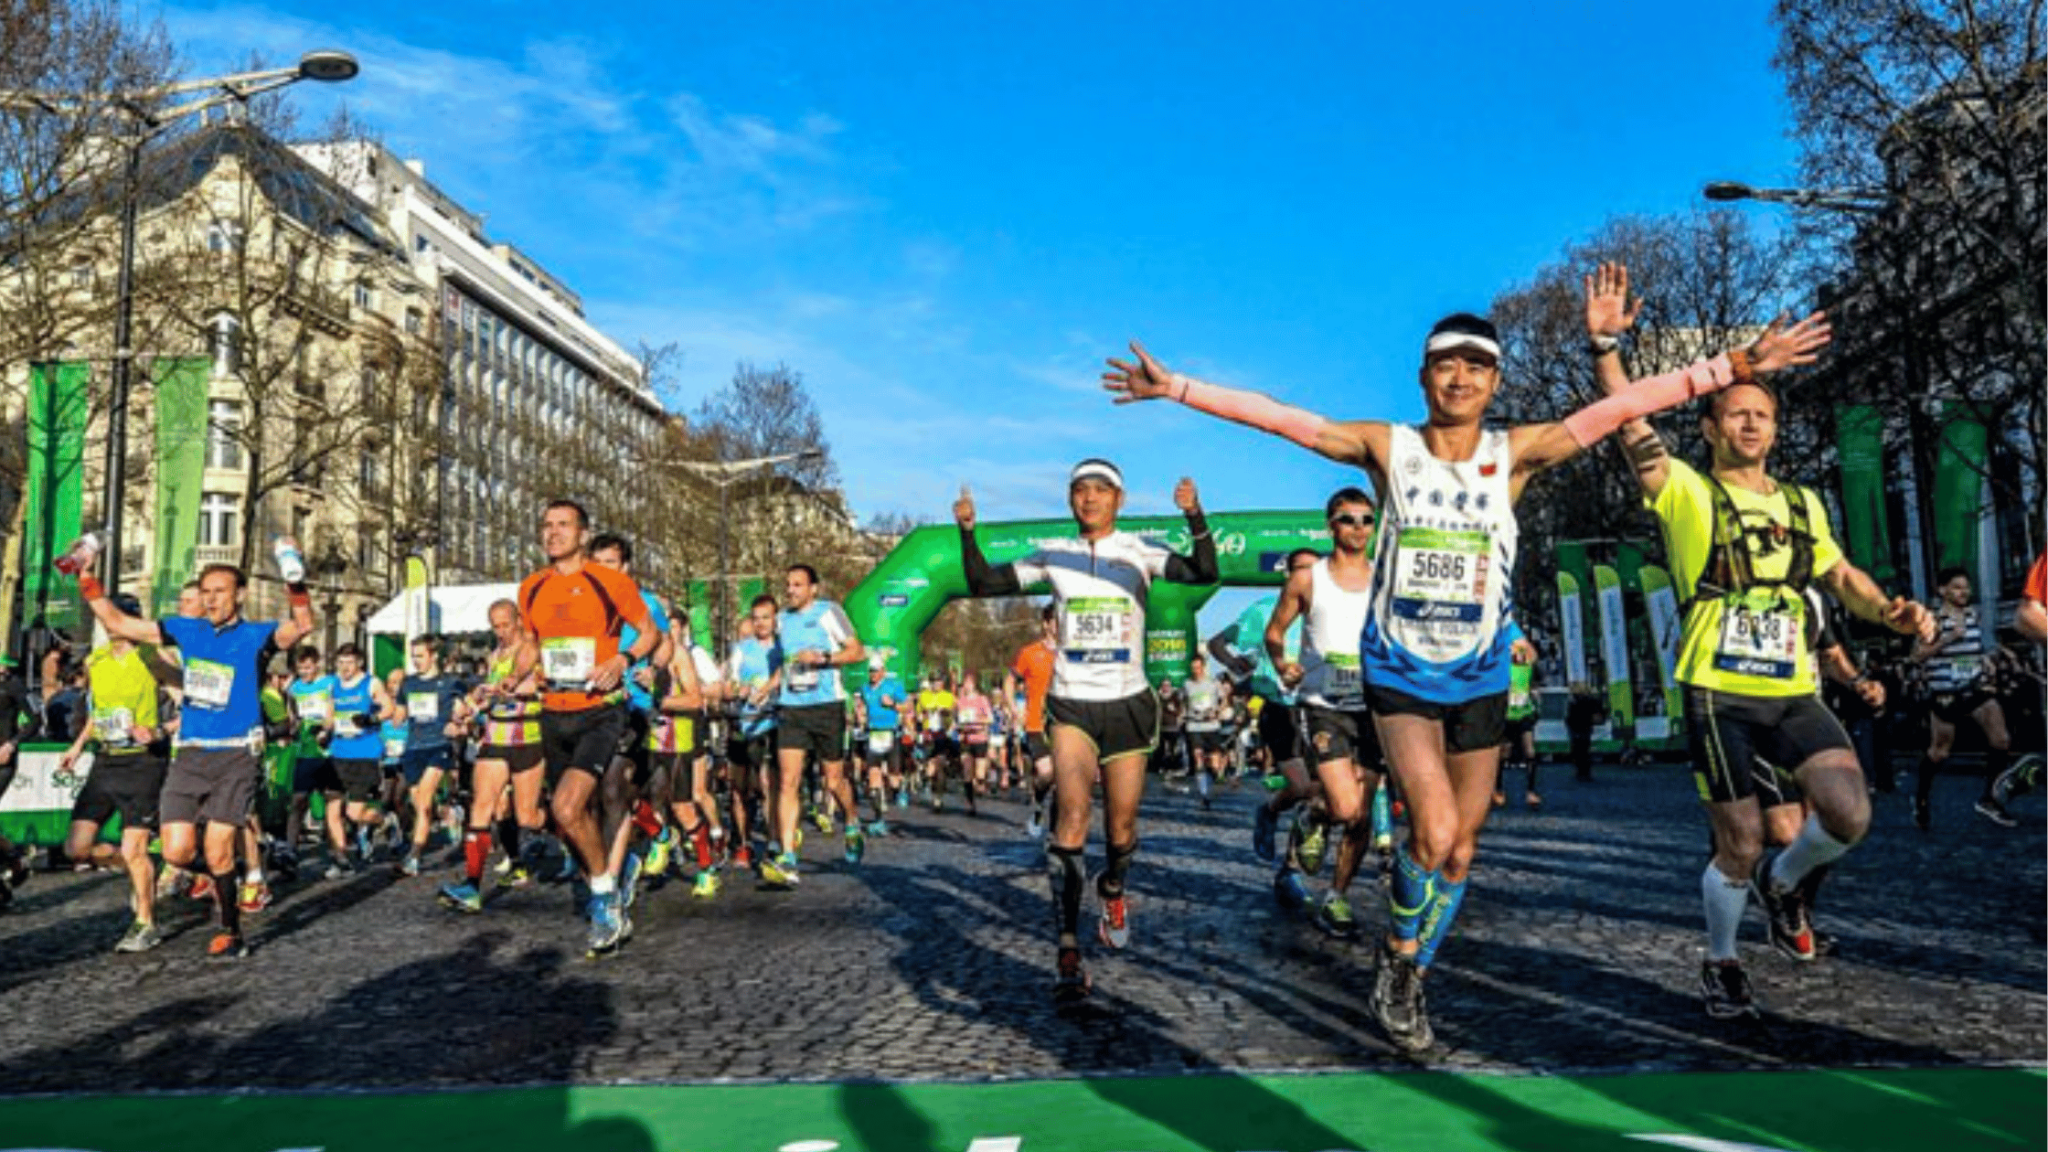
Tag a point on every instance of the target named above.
point(946, 215)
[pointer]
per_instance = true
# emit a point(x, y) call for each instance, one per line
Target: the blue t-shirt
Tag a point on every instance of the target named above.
point(822, 627)
point(223, 680)
point(753, 663)
point(884, 717)
point(351, 742)
point(314, 700)
point(429, 703)
point(1250, 644)
point(641, 699)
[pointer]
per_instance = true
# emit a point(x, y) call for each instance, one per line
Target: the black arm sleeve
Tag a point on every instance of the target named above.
point(983, 580)
point(1199, 568)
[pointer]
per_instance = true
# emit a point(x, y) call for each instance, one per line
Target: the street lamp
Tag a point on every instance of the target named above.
point(724, 474)
point(1864, 201)
point(326, 65)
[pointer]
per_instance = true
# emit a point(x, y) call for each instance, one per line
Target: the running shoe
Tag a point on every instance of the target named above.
point(252, 896)
point(1989, 808)
point(1334, 916)
point(1071, 985)
point(140, 937)
point(780, 872)
point(629, 879)
point(823, 820)
point(1114, 926)
point(1725, 988)
point(1785, 912)
point(607, 923)
point(201, 887)
point(338, 868)
point(1265, 829)
point(567, 871)
point(1291, 891)
point(167, 881)
point(705, 886)
point(227, 946)
point(2018, 779)
point(658, 853)
point(903, 797)
point(1421, 1037)
point(517, 876)
point(856, 844)
point(878, 828)
point(503, 867)
point(743, 858)
point(462, 897)
point(1311, 841)
point(1392, 1001)
point(409, 866)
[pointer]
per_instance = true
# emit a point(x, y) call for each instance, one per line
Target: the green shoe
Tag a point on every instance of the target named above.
point(1311, 841)
point(1334, 917)
point(658, 854)
point(705, 886)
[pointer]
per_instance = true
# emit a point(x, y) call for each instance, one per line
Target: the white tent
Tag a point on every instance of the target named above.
point(451, 610)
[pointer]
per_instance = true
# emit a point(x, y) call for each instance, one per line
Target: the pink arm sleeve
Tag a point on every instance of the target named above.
point(1650, 395)
point(1261, 412)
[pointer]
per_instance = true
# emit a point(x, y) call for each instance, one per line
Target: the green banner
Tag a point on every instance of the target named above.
point(1621, 699)
point(58, 411)
point(1571, 618)
point(1660, 602)
point(1859, 438)
point(1959, 471)
point(180, 469)
point(702, 603)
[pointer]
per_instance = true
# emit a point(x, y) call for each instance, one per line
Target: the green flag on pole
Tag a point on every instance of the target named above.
point(180, 468)
point(58, 411)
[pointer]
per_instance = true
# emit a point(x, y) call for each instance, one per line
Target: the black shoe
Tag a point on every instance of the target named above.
point(1725, 987)
point(1072, 985)
point(1785, 912)
point(1989, 808)
point(1393, 999)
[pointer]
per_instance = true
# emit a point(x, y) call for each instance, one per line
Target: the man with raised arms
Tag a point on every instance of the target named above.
point(1433, 651)
point(1743, 548)
point(575, 610)
point(1103, 714)
point(217, 768)
point(1329, 596)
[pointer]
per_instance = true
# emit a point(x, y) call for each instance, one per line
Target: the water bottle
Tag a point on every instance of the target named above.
point(290, 564)
point(80, 556)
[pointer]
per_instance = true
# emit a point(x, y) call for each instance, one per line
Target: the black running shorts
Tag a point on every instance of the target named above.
point(214, 785)
point(817, 729)
point(1469, 726)
point(1728, 732)
point(1037, 746)
point(361, 780)
point(1958, 708)
point(518, 757)
point(582, 741)
point(1277, 731)
point(1334, 734)
point(131, 785)
point(1126, 727)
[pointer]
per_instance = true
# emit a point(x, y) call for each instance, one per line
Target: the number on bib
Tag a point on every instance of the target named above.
point(1096, 630)
point(208, 684)
point(568, 660)
point(1441, 575)
point(1758, 642)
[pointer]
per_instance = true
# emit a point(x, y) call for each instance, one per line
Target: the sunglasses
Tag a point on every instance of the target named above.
point(1352, 521)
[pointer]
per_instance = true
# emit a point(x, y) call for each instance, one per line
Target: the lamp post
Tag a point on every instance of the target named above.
point(325, 65)
point(1856, 201)
point(330, 564)
point(725, 474)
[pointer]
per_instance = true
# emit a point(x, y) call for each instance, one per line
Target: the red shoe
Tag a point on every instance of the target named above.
point(202, 887)
point(227, 946)
point(743, 857)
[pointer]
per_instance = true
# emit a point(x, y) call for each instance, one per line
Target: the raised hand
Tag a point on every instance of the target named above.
point(1909, 618)
point(1608, 311)
point(963, 509)
point(1780, 347)
point(1140, 379)
point(1185, 497)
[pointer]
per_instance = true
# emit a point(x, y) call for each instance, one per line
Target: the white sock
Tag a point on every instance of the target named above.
point(1810, 849)
point(1725, 901)
point(601, 885)
point(253, 876)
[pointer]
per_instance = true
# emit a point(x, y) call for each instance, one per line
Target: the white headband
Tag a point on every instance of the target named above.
point(1445, 341)
point(1097, 470)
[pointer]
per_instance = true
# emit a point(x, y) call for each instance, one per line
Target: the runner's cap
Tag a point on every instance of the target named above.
point(1462, 330)
point(1097, 469)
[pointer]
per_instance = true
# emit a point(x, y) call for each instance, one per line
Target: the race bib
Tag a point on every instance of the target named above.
point(1758, 642)
point(316, 708)
point(423, 707)
point(568, 661)
point(1096, 630)
point(880, 742)
point(1342, 678)
point(394, 747)
point(1441, 575)
point(1967, 669)
point(800, 678)
point(113, 726)
point(207, 684)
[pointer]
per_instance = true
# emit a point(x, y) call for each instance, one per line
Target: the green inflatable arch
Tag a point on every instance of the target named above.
point(891, 608)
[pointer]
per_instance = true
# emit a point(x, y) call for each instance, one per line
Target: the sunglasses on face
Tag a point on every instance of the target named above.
point(1352, 520)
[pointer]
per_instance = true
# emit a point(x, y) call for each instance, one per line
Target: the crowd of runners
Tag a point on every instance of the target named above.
point(1376, 701)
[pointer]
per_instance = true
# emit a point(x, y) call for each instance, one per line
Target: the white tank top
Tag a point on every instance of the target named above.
point(1330, 675)
point(1445, 553)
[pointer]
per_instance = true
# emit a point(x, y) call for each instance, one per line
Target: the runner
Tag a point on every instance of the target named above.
point(361, 702)
point(311, 696)
point(936, 707)
point(692, 801)
point(509, 703)
point(674, 737)
point(1208, 702)
point(127, 776)
point(883, 703)
point(434, 706)
point(1519, 749)
point(1433, 653)
point(976, 715)
point(1104, 715)
point(1242, 648)
point(217, 766)
point(629, 781)
point(1743, 548)
point(754, 669)
point(1328, 597)
point(1960, 663)
point(816, 640)
point(574, 612)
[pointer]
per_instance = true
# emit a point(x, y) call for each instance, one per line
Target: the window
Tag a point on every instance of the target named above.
point(366, 296)
point(223, 434)
point(366, 550)
point(227, 346)
point(223, 236)
point(414, 322)
point(81, 274)
point(217, 520)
